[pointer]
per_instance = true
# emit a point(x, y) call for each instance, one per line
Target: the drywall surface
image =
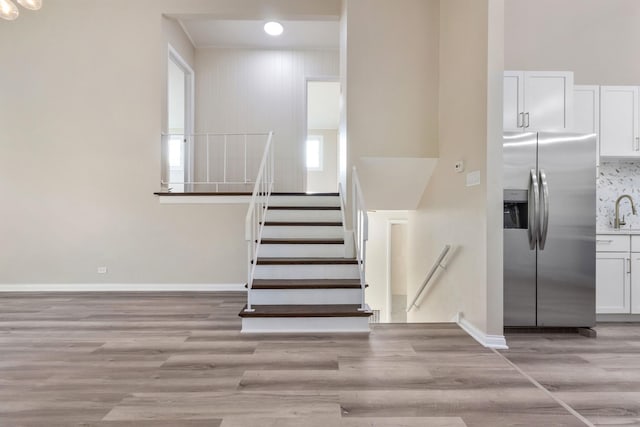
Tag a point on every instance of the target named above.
point(83, 86)
point(595, 39)
point(451, 212)
point(392, 78)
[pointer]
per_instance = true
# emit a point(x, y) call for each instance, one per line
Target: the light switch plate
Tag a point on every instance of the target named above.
point(473, 178)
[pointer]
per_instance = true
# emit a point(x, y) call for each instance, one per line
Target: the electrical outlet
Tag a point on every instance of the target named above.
point(459, 166)
point(102, 270)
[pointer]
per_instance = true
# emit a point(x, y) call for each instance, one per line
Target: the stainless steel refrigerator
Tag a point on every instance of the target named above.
point(549, 229)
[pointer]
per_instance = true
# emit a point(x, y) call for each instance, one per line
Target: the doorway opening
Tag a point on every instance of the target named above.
point(397, 271)
point(321, 145)
point(180, 121)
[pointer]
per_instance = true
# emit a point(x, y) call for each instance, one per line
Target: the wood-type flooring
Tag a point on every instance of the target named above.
point(179, 359)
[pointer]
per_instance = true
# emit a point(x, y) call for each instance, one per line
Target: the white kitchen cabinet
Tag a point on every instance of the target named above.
point(586, 113)
point(635, 283)
point(613, 282)
point(538, 101)
point(619, 117)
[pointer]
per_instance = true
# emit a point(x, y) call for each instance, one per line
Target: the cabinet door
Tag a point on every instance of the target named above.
point(586, 113)
point(635, 283)
point(613, 282)
point(513, 100)
point(548, 100)
point(619, 121)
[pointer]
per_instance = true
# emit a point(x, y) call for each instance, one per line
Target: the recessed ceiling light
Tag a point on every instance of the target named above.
point(273, 28)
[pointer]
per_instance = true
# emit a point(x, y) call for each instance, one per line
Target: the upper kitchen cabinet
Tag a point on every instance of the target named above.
point(619, 121)
point(538, 101)
point(586, 113)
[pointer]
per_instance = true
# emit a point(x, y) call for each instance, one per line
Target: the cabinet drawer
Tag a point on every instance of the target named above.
point(635, 243)
point(613, 243)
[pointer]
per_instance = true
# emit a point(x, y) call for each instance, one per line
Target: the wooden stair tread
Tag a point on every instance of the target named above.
point(338, 310)
point(306, 284)
point(306, 194)
point(303, 224)
point(302, 241)
point(306, 261)
point(303, 208)
point(204, 193)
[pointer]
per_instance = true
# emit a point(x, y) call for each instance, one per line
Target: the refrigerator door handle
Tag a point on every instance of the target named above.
point(534, 209)
point(544, 201)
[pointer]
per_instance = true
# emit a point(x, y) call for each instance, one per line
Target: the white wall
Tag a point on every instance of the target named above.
point(451, 213)
point(83, 86)
point(390, 86)
point(246, 90)
point(325, 180)
point(597, 40)
point(392, 78)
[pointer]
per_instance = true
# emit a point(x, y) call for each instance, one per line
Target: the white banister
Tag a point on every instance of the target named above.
point(360, 230)
point(434, 268)
point(254, 221)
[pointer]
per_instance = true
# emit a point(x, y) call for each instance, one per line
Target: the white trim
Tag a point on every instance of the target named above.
point(187, 33)
point(490, 341)
point(122, 287)
point(391, 222)
point(204, 200)
point(301, 325)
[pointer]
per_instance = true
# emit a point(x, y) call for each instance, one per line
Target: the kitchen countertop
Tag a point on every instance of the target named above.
point(623, 231)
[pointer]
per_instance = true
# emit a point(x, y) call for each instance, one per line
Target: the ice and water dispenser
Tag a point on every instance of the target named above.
point(516, 209)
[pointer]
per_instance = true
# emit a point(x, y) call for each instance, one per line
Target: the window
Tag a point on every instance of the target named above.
point(314, 153)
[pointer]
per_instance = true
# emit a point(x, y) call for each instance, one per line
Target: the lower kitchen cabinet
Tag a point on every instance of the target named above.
point(613, 282)
point(635, 283)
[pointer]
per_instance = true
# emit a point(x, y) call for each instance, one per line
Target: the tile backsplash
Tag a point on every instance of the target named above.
point(617, 178)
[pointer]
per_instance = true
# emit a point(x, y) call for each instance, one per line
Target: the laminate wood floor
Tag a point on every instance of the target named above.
point(167, 359)
point(597, 377)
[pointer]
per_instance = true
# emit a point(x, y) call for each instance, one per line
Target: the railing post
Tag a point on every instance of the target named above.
point(245, 158)
point(224, 167)
point(256, 215)
point(208, 159)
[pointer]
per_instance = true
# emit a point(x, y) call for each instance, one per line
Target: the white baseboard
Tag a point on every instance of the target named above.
point(603, 318)
point(490, 341)
point(123, 287)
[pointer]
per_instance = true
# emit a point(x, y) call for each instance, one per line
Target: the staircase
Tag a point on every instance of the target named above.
point(304, 276)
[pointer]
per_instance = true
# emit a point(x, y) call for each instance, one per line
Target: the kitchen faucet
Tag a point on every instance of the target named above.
point(617, 223)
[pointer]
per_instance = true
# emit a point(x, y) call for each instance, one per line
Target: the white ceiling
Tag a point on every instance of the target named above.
point(250, 33)
point(323, 99)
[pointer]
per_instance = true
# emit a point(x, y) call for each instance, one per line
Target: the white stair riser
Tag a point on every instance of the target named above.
point(304, 324)
point(304, 201)
point(302, 232)
point(292, 215)
point(306, 271)
point(305, 296)
point(302, 251)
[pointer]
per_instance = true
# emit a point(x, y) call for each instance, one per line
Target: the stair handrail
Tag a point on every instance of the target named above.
point(360, 230)
point(432, 271)
point(257, 213)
